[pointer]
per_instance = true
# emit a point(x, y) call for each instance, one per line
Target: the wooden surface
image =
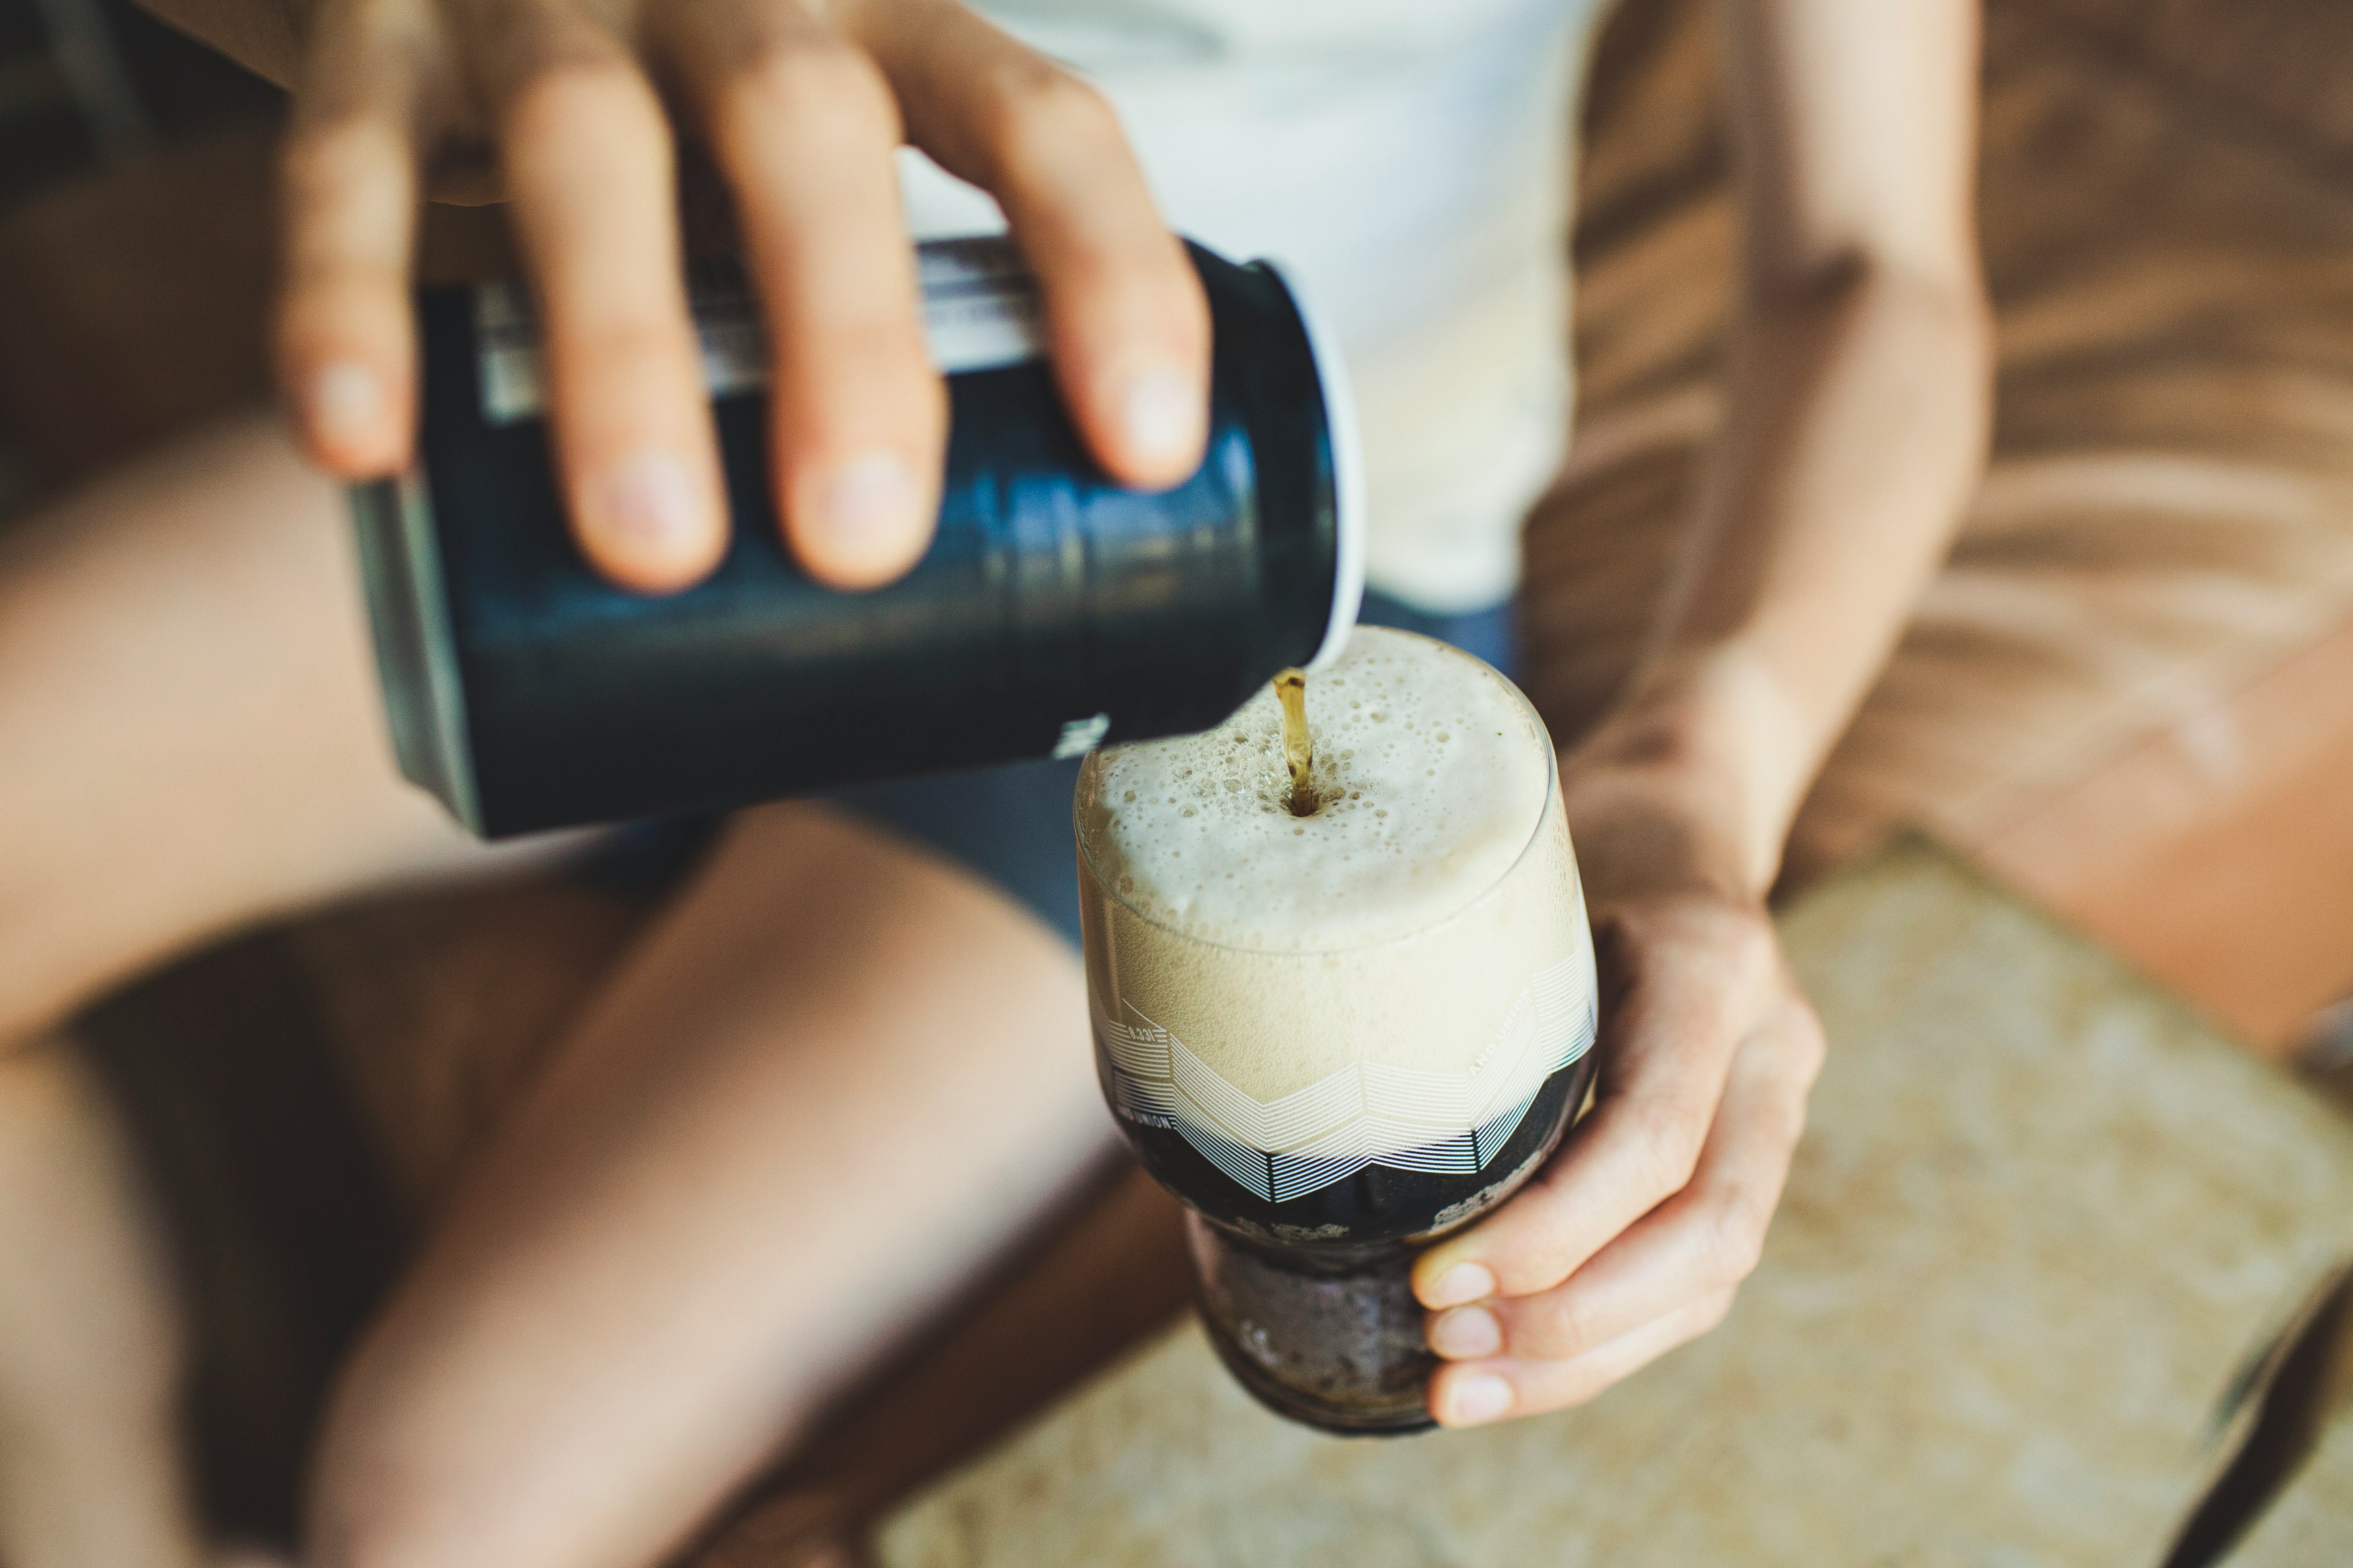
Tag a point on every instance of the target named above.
point(2041, 1216)
point(2217, 854)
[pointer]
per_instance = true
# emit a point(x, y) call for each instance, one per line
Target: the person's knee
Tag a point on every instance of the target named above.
point(93, 1327)
point(46, 969)
point(381, 1496)
point(91, 1335)
point(408, 1470)
point(29, 1009)
point(367, 1504)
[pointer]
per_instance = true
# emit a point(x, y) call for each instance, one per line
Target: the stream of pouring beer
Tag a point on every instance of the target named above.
point(1298, 745)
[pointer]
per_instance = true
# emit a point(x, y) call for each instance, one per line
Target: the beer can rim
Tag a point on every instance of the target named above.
point(1347, 464)
point(415, 642)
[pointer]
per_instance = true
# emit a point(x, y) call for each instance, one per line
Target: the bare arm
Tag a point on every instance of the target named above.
point(1859, 407)
point(1856, 427)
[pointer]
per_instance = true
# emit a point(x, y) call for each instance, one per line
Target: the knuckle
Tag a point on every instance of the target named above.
point(1155, 285)
point(820, 80)
point(622, 348)
point(1563, 1329)
point(320, 159)
point(1534, 1243)
point(1751, 949)
point(559, 89)
point(862, 351)
point(898, 407)
point(1732, 1237)
point(1581, 1387)
point(1809, 1045)
point(1669, 1134)
point(905, 380)
point(1659, 1171)
point(1036, 110)
point(1787, 1124)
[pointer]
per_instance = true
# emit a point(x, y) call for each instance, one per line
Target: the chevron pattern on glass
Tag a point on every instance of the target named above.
point(1364, 1114)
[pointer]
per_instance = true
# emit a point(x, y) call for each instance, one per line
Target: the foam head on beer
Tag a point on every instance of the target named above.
point(1401, 967)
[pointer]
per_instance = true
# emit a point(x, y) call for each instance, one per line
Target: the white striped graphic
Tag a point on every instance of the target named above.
point(1366, 1114)
point(981, 310)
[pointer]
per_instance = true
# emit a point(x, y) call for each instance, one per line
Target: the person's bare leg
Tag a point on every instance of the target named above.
point(188, 742)
point(812, 1104)
point(1114, 1272)
point(189, 727)
point(90, 1344)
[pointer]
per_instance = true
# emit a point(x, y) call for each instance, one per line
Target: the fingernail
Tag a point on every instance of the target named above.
point(1466, 1334)
point(1481, 1396)
point(347, 404)
point(1463, 1282)
point(1163, 414)
point(870, 503)
point(644, 504)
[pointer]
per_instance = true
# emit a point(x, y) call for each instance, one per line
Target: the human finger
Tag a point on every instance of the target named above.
point(1706, 1239)
point(1473, 1393)
point(347, 180)
point(587, 155)
point(1693, 982)
point(1126, 318)
point(804, 128)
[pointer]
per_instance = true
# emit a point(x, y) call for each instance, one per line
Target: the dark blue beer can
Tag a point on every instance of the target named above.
point(1054, 612)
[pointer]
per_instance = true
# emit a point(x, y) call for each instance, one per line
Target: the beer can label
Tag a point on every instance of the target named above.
point(981, 311)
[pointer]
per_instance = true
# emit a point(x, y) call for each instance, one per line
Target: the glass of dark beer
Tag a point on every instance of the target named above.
point(1338, 1033)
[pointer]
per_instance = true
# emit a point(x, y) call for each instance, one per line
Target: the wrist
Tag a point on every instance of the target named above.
point(1715, 734)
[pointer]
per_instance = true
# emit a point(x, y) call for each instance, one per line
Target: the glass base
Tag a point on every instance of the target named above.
point(1329, 1337)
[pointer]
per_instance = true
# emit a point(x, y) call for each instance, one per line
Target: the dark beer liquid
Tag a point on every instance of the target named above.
point(1309, 1302)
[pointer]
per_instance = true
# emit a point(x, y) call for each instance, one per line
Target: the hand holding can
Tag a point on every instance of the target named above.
point(554, 106)
point(1056, 608)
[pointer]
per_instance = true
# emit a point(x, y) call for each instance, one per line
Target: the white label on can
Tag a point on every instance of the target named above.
point(980, 311)
point(980, 305)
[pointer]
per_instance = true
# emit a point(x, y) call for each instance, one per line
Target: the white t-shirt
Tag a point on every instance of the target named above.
point(1407, 160)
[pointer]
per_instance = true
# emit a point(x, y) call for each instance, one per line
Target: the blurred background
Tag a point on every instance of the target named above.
point(131, 162)
point(2129, 702)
